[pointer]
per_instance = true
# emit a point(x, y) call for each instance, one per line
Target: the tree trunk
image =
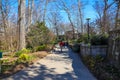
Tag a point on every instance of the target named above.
point(4, 21)
point(30, 13)
point(104, 26)
point(32, 10)
point(80, 16)
point(21, 23)
point(73, 30)
point(45, 9)
point(117, 17)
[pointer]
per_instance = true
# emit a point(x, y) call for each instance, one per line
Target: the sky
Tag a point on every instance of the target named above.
point(89, 10)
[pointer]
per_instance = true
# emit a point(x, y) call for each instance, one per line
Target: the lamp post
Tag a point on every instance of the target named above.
point(88, 19)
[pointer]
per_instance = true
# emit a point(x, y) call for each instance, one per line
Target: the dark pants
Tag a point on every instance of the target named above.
point(61, 48)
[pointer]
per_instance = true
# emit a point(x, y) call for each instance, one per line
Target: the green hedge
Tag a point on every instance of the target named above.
point(99, 40)
point(76, 47)
point(40, 48)
point(83, 38)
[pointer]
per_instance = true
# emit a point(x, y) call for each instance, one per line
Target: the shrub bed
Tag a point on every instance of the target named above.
point(18, 53)
point(102, 69)
point(76, 48)
point(99, 40)
point(13, 64)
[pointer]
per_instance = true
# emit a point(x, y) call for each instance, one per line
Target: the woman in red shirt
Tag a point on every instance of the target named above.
point(61, 45)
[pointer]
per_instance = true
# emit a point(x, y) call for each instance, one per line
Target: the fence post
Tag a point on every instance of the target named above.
point(0, 62)
point(90, 50)
point(0, 66)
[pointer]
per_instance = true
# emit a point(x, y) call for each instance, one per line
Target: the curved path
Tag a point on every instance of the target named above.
point(64, 65)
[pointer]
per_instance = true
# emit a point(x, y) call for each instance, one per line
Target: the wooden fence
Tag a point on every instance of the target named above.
point(114, 46)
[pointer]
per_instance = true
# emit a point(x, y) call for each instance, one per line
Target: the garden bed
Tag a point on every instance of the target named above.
point(11, 66)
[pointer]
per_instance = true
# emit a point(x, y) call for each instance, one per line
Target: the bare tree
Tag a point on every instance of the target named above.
point(117, 18)
point(80, 15)
point(103, 14)
point(29, 16)
point(29, 13)
point(45, 9)
point(5, 10)
point(21, 23)
point(106, 7)
point(99, 10)
point(37, 11)
point(55, 20)
point(67, 9)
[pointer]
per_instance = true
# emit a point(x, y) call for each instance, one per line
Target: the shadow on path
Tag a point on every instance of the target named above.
point(79, 68)
point(66, 62)
point(41, 73)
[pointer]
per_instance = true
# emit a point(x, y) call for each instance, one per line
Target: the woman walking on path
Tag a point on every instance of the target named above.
point(61, 45)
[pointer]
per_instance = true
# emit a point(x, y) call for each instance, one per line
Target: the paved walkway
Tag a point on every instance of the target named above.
point(58, 66)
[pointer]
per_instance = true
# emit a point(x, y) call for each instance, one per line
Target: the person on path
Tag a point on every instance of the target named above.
point(61, 45)
point(66, 44)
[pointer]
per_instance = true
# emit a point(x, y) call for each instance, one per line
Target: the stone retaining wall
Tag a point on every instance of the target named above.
point(93, 50)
